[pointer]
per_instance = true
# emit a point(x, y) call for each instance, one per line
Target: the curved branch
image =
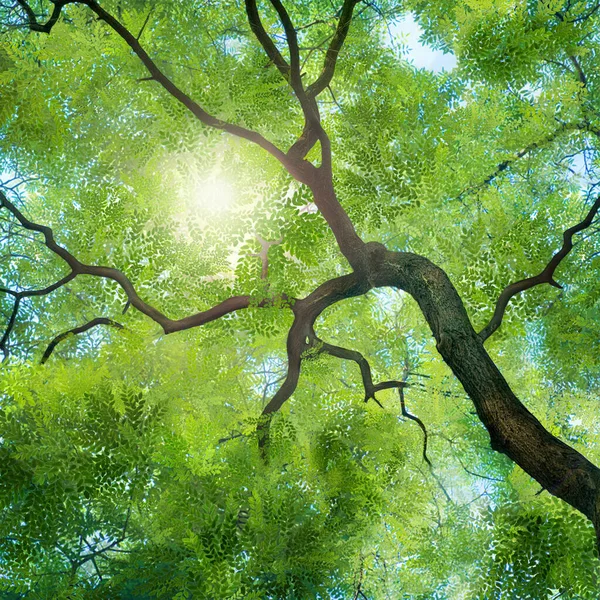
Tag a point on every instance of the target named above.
point(78, 268)
point(349, 242)
point(418, 421)
point(265, 40)
point(320, 181)
point(33, 23)
point(297, 343)
point(365, 370)
point(312, 131)
point(301, 337)
point(49, 240)
point(18, 296)
point(291, 72)
point(292, 42)
point(512, 428)
point(331, 56)
point(76, 331)
point(11, 323)
point(296, 168)
point(546, 276)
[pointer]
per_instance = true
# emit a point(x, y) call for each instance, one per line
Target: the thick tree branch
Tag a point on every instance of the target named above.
point(348, 240)
point(296, 344)
point(292, 42)
point(265, 40)
point(546, 276)
point(76, 331)
point(301, 337)
point(312, 131)
point(578, 68)
point(291, 71)
point(513, 430)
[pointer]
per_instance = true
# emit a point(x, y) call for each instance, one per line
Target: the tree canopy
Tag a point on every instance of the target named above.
point(285, 316)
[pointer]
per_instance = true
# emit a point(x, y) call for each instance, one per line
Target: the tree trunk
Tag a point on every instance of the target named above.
point(513, 430)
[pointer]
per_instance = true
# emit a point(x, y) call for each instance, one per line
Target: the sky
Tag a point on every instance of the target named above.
point(422, 56)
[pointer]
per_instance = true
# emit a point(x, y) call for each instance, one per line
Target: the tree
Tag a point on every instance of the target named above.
point(374, 206)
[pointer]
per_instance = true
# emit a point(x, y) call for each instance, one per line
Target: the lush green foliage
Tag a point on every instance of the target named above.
point(129, 465)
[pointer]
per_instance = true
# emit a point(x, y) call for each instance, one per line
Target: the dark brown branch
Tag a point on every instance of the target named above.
point(331, 56)
point(418, 421)
point(304, 144)
point(139, 35)
point(295, 168)
point(178, 94)
point(301, 337)
point(18, 296)
point(365, 369)
point(78, 268)
point(320, 180)
point(349, 242)
point(585, 16)
point(297, 343)
point(292, 42)
point(45, 231)
point(76, 331)
point(312, 131)
point(546, 276)
point(580, 73)
point(265, 40)
point(496, 479)
point(512, 428)
point(233, 436)
point(290, 72)
point(11, 323)
point(33, 23)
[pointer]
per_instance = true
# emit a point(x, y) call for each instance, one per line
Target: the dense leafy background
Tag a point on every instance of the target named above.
point(115, 480)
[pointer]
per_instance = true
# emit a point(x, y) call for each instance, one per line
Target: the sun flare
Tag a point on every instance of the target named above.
point(214, 195)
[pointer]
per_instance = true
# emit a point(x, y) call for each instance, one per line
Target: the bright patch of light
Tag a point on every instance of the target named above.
point(408, 33)
point(214, 195)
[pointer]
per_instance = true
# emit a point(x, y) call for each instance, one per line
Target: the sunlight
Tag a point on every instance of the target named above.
point(215, 195)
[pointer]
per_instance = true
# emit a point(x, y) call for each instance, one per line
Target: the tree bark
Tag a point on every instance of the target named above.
point(513, 430)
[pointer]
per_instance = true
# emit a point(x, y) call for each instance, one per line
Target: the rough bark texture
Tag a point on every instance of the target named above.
point(513, 430)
